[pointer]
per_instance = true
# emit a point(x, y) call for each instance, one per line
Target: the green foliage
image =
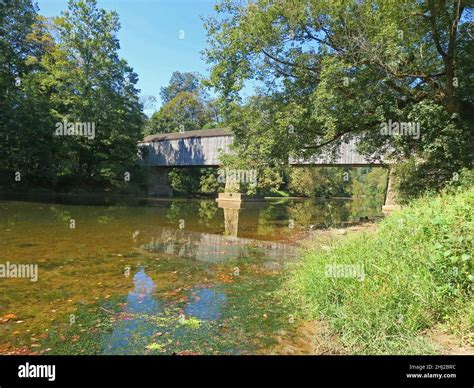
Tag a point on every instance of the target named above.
point(208, 182)
point(24, 107)
point(185, 112)
point(184, 180)
point(101, 89)
point(418, 269)
point(337, 182)
point(302, 181)
point(336, 68)
point(269, 178)
point(186, 106)
point(70, 71)
point(372, 183)
point(180, 82)
point(319, 181)
point(376, 182)
point(269, 181)
point(192, 180)
point(260, 140)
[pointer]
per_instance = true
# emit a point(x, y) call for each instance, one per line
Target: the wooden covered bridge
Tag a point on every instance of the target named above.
point(203, 148)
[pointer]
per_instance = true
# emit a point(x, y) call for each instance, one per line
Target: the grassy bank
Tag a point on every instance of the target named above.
point(380, 291)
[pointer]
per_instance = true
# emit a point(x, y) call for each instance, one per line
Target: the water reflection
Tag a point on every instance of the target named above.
point(99, 227)
point(140, 300)
point(131, 325)
point(145, 325)
point(206, 304)
point(109, 238)
point(215, 248)
point(231, 217)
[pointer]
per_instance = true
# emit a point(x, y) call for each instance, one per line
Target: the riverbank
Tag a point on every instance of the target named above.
point(404, 288)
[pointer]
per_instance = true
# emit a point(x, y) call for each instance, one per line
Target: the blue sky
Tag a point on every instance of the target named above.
point(149, 36)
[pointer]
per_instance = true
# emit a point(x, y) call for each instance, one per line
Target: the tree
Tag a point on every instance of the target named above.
point(63, 71)
point(181, 82)
point(90, 83)
point(25, 122)
point(185, 112)
point(192, 180)
point(320, 181)
point(186, 106)
point(337, 68)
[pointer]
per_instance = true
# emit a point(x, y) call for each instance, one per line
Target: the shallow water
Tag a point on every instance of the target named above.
point(182, 276)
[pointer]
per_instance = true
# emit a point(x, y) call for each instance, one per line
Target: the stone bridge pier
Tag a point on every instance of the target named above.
point(391, 202)
point(158, 182)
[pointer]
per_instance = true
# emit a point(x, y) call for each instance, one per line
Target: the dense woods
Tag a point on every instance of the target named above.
point(70, 115)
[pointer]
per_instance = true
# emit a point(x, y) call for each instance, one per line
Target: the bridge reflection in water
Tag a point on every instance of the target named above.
point(215, 248)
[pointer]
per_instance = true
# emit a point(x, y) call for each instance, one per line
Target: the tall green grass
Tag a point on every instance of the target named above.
point(418, 272)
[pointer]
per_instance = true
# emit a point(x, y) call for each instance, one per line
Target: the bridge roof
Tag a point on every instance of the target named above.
point(187, 135)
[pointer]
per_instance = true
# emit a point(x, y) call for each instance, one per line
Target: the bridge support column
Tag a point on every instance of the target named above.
point(390, 203)
point(232, 193)
point(158, 184)
point(231, 216)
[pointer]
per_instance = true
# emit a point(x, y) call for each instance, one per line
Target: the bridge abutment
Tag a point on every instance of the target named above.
point(391, 202)
point(158, 183)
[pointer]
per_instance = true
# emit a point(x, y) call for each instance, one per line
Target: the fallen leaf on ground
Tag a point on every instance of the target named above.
point(7, 318)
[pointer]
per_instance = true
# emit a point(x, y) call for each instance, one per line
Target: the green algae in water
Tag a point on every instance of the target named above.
point(248, 321)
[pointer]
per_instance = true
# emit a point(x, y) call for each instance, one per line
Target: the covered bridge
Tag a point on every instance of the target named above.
point(203, 147)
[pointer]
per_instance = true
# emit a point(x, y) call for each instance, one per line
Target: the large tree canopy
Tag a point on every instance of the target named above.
point(23, 107)
point(181, 82)
point(92, 83)
point(66, 70)
point(185, 112)
point(332, 68)
point(186, 106)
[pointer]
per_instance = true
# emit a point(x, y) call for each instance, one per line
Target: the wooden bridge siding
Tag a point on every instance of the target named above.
point(204, 151)
point(347, 156)
point(194, 151)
